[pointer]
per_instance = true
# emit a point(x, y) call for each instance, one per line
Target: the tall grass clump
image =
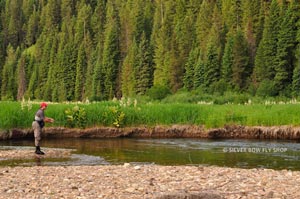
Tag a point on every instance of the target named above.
point(13, 115)
point(131, 112)
point(155, 114)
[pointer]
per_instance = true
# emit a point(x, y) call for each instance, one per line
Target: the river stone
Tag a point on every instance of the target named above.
point(126, 164)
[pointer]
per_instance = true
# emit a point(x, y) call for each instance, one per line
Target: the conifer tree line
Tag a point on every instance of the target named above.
point(61, 50)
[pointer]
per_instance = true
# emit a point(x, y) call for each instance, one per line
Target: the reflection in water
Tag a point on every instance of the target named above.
point(231, 153)
point(38, 161)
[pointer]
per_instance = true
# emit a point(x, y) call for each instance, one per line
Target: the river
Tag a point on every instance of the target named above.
point(219, 152)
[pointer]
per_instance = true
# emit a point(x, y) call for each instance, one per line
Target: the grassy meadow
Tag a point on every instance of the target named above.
point(132, 113)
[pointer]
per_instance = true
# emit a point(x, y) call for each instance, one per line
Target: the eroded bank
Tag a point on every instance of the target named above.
point(174, 131)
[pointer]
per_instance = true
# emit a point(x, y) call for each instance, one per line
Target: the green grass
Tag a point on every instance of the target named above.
point(151, 114)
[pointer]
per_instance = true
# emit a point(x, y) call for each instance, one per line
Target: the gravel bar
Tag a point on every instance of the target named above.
point(29, 153)
point(146, 181)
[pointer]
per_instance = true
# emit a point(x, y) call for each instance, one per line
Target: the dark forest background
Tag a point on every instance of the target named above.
point(60, 50)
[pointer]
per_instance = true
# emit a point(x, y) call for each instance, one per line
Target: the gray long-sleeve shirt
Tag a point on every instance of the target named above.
point(39, 115)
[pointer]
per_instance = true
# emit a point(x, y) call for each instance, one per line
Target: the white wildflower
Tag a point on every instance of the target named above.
point(135, 103)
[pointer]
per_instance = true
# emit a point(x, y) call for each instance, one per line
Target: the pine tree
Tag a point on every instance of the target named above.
point(52, 70)
point(296, 76)
point(111, 52)
point(133, 25)
point(144, 68)
point(68, 9)
point(166, 36)
point(98, 22)
point(98, 76)
point(2, 44)
point(21, 76)
point(14, 20)
point(227, 60)
point(232, 13)
point(84, 65)
point(59, 78)
point(296, 72)
point(212, 67)
point(217, 34)
point(265, 59)
point(203, 24)
point(285, 51)
point(182, 40)
point(9, 85)
point(64, 69)
point(148, 13)
point(129, 71)
point(32, 83)
point(69, 69)
point(29, 71)
point(32, 29)
point(51, 16)
point(83, 26)
point(127, 16)
point(240, 66)
point(67, 54)
point(252, 25)
point(188, 78)
point(199, 73)
point(214, 51)
point(45, 44)
point(88, 76)
point(80, 71)
point(138, 24)
point(162, 42)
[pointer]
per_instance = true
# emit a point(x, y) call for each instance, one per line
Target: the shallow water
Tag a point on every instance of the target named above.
point(229, 153)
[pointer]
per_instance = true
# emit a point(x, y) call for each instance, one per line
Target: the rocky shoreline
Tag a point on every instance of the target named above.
point(174, 131)
point(147, 181)
point(23, 154)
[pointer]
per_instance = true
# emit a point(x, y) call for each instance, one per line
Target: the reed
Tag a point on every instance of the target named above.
point(18, 115)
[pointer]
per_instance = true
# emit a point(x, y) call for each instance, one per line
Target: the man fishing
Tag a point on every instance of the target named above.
point(38, 124)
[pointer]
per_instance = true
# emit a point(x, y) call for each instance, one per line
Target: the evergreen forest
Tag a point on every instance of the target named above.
point(73, 50)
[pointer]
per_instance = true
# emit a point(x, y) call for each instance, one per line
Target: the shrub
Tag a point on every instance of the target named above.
point(219, 87)
point(231, 98)
point(266, 88)
point(181, 97)
point(114, 116)
point(158, 92)
point(76, 117)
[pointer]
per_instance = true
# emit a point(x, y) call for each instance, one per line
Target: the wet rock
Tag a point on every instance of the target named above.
point(4, 134)
point(127, 164)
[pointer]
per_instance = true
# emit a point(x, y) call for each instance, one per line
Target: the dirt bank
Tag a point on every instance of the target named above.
point(175, 131)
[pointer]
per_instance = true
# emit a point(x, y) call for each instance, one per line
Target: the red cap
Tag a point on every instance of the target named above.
point(43, 104)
